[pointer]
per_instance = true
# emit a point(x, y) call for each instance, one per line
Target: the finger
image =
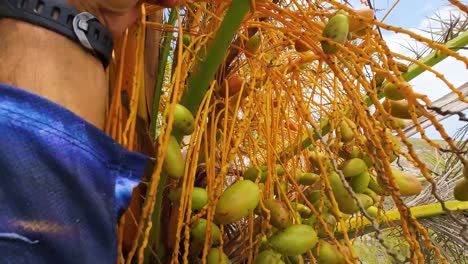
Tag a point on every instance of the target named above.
point(117, 23)
point(118, 6)
point(165, 3)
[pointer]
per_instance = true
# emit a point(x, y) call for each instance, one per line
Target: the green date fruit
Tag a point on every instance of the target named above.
point(372, 211)
point(213, 257)
point(295, 259)
point(237, 202)
point(302, 209)
point(198, 231)
point(199, 197)
point(336, 30)
point(173, 164)
point(186, 40)
point(353, 167)
point(346, 130)
point(184, 122)
point(280, 216)
point(345, 201)
point(268, 257)
point(294, 240)
point(327, 253)
point(392, 92)
point(408, 184)
point(359, 183)
point(253, 44)
point(460, 192)
point(400, 109)
point(253, 173)
point(307, 178)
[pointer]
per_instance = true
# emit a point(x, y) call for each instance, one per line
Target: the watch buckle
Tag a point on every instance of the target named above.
point(81, 26)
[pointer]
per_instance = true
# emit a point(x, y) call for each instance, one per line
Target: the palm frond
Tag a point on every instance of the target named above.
point(441, 29)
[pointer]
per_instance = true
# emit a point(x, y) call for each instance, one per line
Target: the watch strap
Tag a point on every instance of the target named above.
point(57, 16)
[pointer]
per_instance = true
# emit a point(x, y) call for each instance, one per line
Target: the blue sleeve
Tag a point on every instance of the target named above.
point(63, 184)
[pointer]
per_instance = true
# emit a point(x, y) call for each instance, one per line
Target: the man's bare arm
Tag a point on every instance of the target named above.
point(50, 65)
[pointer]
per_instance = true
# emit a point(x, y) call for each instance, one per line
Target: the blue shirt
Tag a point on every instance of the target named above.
point(63, 183)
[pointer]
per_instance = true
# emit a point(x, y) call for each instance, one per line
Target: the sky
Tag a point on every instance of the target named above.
point(415, 15)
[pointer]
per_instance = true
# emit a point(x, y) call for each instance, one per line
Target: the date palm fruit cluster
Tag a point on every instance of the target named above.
point(237, 202)
point(337, 31)
point(362, 176)
point(356, 180)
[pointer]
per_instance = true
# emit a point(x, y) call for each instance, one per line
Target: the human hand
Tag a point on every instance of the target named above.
point(116, 15)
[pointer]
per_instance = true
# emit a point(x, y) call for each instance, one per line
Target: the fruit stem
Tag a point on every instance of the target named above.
point(200, 80)
point(430, 60)
point(155, 233)
point(166, 47)
point(389, 218)
point(198, 83)
point(436, 57)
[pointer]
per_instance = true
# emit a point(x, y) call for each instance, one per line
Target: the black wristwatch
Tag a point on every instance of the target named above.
point(57, 16)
